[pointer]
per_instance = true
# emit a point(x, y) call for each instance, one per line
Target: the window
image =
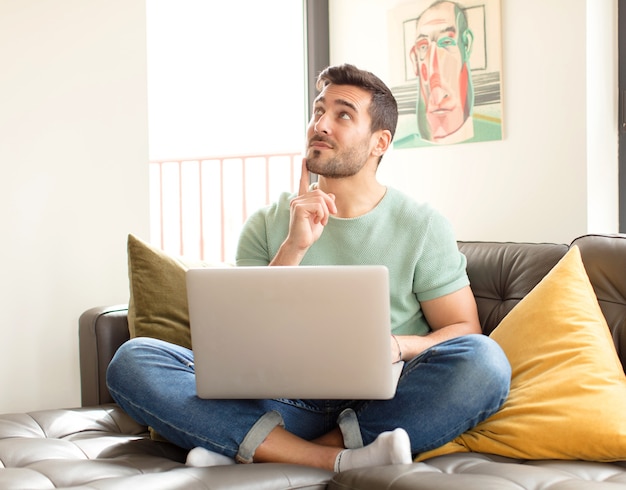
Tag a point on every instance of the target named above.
point(227, 115)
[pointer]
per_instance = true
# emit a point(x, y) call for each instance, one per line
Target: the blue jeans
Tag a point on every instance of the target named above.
point(442, 393)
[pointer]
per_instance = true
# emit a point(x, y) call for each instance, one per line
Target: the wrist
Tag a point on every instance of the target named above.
point(288, 254)
point(399, 357)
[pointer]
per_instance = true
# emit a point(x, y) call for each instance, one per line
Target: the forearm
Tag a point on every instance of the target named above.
point(288, 255)
point(413, 345)
point(449, 316)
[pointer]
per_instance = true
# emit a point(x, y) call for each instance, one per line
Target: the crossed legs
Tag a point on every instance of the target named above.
point(441, 394)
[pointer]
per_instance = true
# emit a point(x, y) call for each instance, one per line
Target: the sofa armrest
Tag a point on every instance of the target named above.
point(101, 331)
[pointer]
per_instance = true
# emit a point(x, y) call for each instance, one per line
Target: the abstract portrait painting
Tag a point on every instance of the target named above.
point(446, 71)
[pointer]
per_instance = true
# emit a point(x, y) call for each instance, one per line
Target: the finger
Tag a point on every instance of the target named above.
point(304, 179)
point(332, 207)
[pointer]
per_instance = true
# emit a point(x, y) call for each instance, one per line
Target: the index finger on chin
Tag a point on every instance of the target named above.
point(304, 179)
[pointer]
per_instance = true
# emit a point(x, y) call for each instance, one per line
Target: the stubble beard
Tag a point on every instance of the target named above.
point(339, 165)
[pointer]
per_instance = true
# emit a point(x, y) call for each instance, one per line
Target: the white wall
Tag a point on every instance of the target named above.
point(554, 175)
point(73, 153)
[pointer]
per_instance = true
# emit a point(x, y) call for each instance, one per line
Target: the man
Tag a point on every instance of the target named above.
point(453, 377)
point(440, 57)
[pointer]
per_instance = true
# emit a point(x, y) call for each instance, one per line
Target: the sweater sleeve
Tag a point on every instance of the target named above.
point(252, 248)
point(440, 269)
point(263, 233)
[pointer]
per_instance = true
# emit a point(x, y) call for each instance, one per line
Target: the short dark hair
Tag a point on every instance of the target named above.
point(383, 109)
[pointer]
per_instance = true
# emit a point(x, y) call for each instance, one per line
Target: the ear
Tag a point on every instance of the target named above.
point(414, 61)
point(468, 41)
point(382, 140)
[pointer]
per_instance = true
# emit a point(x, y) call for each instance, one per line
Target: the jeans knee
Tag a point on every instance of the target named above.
point(117, 365)
point(124, 361)
point(124, 353)
point(492, 364)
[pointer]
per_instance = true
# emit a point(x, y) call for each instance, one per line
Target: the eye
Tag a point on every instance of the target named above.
point(318, 112)
point(345, 116)
point(446, 42)
point(420, 49)
point(422, 46)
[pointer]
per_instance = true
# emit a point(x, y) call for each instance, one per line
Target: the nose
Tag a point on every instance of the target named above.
point(437, 92)
point(321, 125)
point(434, 77)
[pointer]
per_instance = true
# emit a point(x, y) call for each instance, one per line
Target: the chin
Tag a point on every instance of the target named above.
point(313, 164)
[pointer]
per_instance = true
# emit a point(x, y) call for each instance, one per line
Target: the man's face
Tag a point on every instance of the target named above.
point(339, 137)
point(443, 73)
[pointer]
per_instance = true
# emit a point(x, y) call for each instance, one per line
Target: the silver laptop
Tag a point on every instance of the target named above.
point(292, 332)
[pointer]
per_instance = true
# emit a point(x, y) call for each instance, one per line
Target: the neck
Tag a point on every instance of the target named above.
point(354, 196)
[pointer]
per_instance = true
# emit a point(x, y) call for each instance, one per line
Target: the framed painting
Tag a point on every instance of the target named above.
point(446, 71)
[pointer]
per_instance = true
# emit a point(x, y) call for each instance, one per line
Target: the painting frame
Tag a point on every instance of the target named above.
point(430, 38)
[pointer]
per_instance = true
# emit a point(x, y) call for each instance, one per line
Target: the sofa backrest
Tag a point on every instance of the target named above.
point(501, 274)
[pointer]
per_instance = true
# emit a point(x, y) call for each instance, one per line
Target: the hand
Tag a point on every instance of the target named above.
point(310, 212)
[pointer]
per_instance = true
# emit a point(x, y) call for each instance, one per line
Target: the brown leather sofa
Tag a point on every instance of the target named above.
point(97, 446)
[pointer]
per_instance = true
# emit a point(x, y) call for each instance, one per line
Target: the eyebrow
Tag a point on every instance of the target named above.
point(341, 102)
point(450, 29)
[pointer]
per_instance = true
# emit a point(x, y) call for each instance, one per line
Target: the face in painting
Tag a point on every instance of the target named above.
point(339, 137)
point(439, 58)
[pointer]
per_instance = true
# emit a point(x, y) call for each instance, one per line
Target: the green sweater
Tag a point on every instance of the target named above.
point(412, 240)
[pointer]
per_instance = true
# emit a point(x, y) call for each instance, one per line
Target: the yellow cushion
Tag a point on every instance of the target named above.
point(568, 389)
point(158, 293)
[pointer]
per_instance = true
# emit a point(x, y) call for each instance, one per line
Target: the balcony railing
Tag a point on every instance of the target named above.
point(198, 205)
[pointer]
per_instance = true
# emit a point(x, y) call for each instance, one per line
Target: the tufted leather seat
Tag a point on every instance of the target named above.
point(102, 448)
point(484, 472)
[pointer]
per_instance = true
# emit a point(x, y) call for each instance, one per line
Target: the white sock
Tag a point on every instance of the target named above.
point(389, 448)
point(200, 457)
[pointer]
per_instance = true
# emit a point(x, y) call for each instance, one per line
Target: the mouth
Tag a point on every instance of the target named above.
point(319, 144)
point(440, 111)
